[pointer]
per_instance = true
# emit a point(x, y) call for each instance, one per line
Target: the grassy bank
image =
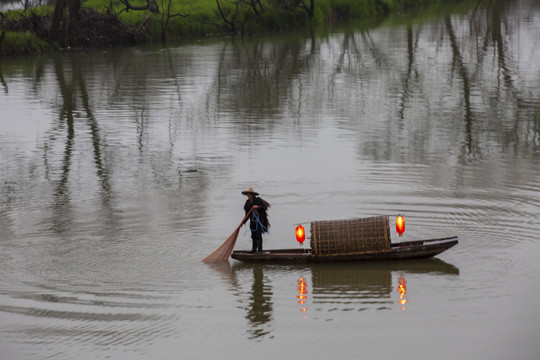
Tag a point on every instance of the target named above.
point(204, 18)
point(17, 43)
point(27, 32)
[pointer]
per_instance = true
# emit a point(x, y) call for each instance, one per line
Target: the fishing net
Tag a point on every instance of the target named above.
point(223, 252)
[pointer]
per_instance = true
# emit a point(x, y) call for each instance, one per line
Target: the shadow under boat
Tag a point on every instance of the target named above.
point(430, 265)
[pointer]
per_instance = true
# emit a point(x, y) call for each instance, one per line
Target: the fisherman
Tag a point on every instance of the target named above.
point(258, 219)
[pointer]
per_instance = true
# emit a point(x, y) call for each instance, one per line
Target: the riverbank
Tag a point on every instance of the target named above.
point(101, 24)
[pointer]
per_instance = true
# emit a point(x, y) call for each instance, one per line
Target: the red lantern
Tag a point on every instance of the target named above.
point(300, 234)
point(400, 225)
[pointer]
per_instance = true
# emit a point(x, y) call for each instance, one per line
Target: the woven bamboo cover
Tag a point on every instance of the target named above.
point(352, 236)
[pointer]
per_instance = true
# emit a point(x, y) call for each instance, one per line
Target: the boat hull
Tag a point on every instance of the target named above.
point(398, 251)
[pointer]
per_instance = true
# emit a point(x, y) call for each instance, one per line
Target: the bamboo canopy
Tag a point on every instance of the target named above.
point(352, 236)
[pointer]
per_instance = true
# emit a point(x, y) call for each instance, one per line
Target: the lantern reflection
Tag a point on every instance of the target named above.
point(302, 293)
point(402, 290)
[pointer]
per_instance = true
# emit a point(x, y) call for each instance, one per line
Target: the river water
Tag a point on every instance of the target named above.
point(122, 169)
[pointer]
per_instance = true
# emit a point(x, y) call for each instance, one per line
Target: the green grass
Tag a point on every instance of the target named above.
point(22, 43)
point(204, 18)
point(17, 14)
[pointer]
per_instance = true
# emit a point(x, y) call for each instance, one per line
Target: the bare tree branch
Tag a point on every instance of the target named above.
point(151, 6)
point(166, 17)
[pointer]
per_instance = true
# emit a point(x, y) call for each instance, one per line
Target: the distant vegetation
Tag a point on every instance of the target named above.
point(102, 23)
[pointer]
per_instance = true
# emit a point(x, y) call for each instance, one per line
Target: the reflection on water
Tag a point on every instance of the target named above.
point(359, 287)
point(302, 293)
point(344, 287)
point(260, 304)
point(402, 290)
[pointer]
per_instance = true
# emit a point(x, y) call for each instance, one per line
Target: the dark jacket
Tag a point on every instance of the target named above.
point(258, 219)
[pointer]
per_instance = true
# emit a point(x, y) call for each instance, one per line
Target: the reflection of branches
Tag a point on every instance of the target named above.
point(496, 23)
point(348, 38)
point(141, 127)
point(493, 27)
point(61, 195)
point(102, 173)
point(68, 92)
point(536, 130)
point(406, 82)
point(265, 76)
point(3, 82)
point(379, 55)
point(497, 36)
point(346, 50)
point(457, 61)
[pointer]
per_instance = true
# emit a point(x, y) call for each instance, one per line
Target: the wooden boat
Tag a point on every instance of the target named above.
point(351, 240)
point(405, 250)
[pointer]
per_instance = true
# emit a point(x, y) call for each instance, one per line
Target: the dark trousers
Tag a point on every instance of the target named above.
point(256, 238)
